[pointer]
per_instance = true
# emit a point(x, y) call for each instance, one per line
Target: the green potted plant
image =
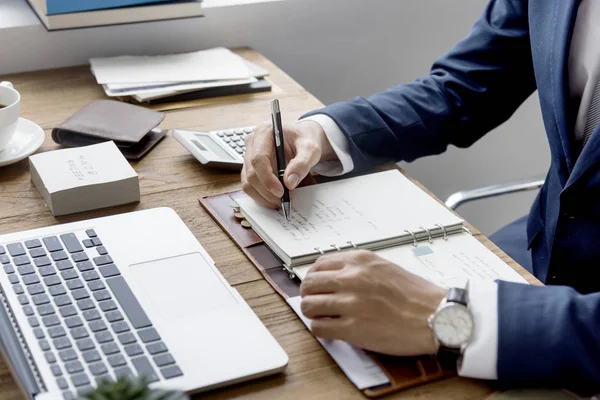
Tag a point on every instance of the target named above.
point(131, 389)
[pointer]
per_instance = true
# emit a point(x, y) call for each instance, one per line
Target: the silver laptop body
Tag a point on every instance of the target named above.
point(131, 294)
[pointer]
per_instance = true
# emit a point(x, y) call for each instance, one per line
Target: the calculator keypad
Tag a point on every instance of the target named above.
point(235, 138)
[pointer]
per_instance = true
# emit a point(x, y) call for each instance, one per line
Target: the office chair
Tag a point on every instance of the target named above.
point(519, 185)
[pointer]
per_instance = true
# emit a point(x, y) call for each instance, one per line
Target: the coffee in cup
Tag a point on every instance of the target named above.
point(10, 101)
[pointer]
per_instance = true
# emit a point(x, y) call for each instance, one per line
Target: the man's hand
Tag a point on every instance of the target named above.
point(361, 298)
point(305, 145)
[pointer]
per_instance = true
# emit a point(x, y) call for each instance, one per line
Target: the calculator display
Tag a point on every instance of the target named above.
point(204, 143)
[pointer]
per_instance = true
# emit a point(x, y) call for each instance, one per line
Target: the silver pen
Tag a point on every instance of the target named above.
point(280, 155)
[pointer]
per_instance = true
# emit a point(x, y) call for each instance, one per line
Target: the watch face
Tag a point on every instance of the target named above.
point(453, 325)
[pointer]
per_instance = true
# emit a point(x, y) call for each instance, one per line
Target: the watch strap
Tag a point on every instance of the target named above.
point(457, 295)
point(448, 357)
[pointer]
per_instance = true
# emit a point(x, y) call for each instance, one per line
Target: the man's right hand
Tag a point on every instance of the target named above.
point(305, 145)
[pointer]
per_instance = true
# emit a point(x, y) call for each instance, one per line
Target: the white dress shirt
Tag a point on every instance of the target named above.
point(584, 61)
point(480, 357)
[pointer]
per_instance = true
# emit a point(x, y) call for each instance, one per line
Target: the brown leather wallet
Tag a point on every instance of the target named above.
point(132, 128)
point(403, 372)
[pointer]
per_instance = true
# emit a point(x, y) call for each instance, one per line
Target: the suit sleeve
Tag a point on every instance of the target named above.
point(469, 91)
point(548, 335)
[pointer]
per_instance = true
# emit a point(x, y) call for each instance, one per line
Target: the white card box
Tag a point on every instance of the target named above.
point(84, 178)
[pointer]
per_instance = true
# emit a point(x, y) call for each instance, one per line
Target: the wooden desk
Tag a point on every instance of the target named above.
point(170, 176)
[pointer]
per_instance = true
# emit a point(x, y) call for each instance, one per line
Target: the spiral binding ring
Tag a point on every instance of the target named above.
point(351, 243)
point(291, 275)
point(335, 246)
point(429, 240)
point(443, 230)
point(319, 250)
point(415, 243)
point(467, 230)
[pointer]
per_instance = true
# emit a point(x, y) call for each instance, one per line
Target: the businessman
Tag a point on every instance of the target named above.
point(521, 333)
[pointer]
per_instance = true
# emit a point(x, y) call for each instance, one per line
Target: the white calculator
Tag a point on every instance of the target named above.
point(221, 149)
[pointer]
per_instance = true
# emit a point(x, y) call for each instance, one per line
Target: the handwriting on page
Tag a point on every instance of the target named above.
point(476, 267)
point(448, 267)
point(439, 270)
point(81, 167)
point(329, 219)
point(451, 263)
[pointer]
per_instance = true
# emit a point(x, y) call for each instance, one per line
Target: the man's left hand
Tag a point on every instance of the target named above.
point(363, 299)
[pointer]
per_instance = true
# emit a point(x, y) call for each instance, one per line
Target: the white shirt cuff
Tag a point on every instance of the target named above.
point(481, 355)
point(339, 143)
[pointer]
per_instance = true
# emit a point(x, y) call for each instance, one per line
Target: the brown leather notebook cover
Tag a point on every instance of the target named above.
point(403, 372)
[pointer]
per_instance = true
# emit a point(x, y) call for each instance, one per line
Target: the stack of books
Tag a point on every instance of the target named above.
point(182, 77)
point(70, 14)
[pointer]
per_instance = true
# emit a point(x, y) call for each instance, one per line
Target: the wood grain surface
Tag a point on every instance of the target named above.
point(170, 176)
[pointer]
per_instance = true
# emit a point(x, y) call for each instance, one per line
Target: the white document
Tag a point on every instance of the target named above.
point(365, 210)
point(125, 89)
point(160, 94)
point(362, 371)
point(157, 91)
point(206, 65)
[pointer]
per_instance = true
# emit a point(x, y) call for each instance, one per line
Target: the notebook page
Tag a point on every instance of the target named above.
point(363, 209)
point(450, 263)
point(447, 263)
point(355, 362)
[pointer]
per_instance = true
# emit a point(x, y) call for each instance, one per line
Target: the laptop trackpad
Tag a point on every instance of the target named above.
point(182, 286)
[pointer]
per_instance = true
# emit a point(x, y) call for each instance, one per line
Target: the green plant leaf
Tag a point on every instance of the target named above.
point(131, 389)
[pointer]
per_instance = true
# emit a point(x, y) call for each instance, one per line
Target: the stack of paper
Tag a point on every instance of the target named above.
point(152, 79)
point(84, 178)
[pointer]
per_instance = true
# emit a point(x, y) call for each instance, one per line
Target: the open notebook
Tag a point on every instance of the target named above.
point(384, 212)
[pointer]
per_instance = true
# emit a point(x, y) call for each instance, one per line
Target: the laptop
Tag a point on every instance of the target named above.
point(128, 295)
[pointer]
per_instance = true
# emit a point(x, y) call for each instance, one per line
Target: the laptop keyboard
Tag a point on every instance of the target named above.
point(87, 320)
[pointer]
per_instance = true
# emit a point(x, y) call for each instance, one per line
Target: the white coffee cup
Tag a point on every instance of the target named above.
point(10, 101)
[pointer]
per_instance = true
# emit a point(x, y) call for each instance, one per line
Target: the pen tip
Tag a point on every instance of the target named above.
point(287, 211)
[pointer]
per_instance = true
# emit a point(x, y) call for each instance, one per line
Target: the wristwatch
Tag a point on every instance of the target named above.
point(452, 325)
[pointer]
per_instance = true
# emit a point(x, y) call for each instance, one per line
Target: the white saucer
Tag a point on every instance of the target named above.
point(27, 140)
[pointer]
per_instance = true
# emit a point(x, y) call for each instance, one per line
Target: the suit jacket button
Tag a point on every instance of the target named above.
point(567, 215)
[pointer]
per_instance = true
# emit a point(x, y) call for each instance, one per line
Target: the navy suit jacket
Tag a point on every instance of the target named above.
point(546, 334)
